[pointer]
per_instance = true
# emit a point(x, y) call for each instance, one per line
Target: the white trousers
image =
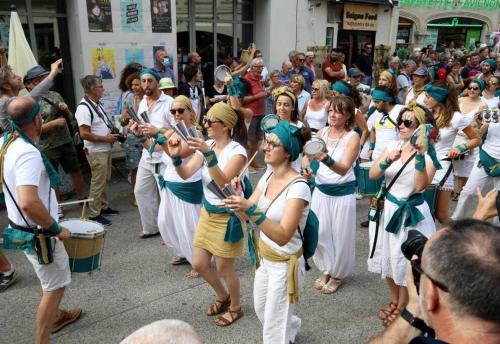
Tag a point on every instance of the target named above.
point(147, 195)
point(478, 178)
point(280, 325)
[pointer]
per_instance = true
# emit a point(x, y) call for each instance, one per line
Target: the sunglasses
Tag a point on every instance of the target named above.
point(315, 89)
point(416, 266)
point(408, 123)
point(180, 111)
point(211, 121)
point(472, 88)
point(301, 60)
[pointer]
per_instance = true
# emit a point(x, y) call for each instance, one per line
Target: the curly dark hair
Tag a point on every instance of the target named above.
point(131, 68)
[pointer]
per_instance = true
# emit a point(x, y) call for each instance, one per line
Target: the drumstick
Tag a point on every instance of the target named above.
point(84, 212)
point(247, 165)
point(76, 202)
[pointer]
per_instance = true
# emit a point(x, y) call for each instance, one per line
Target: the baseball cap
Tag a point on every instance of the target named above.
point(353, 72)
point(166, 83)
point(35, 72)
point(420, 71)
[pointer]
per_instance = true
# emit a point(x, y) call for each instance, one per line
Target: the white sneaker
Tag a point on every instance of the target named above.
point(60, 211)
point(358, 196)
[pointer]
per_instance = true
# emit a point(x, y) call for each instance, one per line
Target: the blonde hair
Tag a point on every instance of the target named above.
point(299, 79)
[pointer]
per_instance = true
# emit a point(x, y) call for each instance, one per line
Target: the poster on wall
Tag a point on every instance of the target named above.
point(131, 14)
point(134, 55)
point(99, 15)
point(161, 16)
point(103, 63)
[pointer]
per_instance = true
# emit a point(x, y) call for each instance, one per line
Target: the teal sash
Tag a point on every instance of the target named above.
point(234, 231)
point(408, 210)
point(188, 192)
point(491, 165)
point(247, 187)
point(15, 239)
point(337, 189)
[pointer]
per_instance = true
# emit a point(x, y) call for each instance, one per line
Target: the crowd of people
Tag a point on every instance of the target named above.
point(426, 130)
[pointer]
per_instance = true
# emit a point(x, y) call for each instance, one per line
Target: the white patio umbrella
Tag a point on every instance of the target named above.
point(20, 55)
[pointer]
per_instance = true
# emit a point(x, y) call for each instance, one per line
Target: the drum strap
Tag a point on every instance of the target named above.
point(18, 209)
point(382, 196)
point(448, 172)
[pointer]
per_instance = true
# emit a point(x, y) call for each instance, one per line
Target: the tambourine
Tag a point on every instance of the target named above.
point(269, 122)
point(221, 73)
point(314, 146)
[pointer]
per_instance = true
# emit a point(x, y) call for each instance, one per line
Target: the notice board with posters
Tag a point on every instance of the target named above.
point(360, 17)
point(129, 37)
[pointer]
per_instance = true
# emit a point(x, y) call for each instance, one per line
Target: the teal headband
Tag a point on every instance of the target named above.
point(150, 71)
point(342, 88)
point(492, 63)
point(480, 82)
point(382, 95)
point(287, 135)
point(29, 117)
point(438, 93)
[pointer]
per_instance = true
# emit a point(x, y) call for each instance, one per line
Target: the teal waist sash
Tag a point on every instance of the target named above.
point(15, 239)
point(234, 231)
point(491, 165)
point(247, 187)
point(337, 189)
point(407, 209)
point(188, 192)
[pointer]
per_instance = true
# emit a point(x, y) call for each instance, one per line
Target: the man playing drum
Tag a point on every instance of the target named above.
point(29, 181)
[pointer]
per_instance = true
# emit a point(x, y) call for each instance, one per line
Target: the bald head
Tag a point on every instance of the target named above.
point(20, 107)
point(166, 331)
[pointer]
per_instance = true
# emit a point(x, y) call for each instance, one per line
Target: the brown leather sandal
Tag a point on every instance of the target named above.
point(219, 306)
point(384, 313)
point(234, 315)
point(388, 321)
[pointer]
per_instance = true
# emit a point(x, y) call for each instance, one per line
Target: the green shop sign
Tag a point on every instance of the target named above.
point(453, 4)
point(454, 23)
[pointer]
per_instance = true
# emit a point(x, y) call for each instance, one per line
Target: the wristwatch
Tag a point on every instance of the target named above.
point(418, 323)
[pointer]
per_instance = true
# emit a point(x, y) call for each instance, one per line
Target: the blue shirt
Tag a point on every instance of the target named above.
point(308, 77)
point(285, 79)
point(167, 73)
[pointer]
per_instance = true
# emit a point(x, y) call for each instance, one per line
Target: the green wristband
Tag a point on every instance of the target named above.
point(371, 146)
point(328, 161)
point(161, 139)
point(176, 160)
point(211, 158)
point(385, 164)
point(420, 162)
point(256, 215)
point(462, 148)
point(54, 228)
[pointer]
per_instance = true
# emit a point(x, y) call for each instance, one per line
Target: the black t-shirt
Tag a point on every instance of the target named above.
point(212, 92)
point(365, 64)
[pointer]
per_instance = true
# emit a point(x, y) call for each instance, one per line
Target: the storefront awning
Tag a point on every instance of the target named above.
point(374, 2)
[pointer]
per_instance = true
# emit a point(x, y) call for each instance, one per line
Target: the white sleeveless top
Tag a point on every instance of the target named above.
point(316, 119)
point(447, 135)
point(336, 149)
point(171, 175)
point(386, 131)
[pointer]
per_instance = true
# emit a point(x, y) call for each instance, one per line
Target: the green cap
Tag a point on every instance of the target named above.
point(166, 83)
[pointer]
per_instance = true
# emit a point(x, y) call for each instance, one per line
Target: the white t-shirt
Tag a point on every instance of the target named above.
point(24, 166)
point(232, 148)
point(386, 131)
point(492, 143)
point(298, 190)
point(447, 135)
point(97, 126)
point(159, 116)
point(491, 102)
point(411, 95)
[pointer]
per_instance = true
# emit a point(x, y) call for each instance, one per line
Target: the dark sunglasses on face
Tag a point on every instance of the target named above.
point(473, 88)
point(180, 111)
point(406, 122)
point(315, 89)
point(209, 122)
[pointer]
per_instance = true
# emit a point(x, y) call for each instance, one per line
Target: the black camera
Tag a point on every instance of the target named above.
point(414, 246)
point(121, 137)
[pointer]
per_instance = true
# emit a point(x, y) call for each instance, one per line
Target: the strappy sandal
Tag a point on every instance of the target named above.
point(332, 286)
point(234, 315)
point(388, 321)
point(193, 274)
point(384, 313)
point(320, 283)
point(219, 306)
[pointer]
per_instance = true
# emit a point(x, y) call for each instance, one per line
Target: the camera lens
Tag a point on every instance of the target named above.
point(414, 244)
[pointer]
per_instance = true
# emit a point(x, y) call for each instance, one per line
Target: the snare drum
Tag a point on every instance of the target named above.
point(85, 245)
point(367, 186)
point(430, 196)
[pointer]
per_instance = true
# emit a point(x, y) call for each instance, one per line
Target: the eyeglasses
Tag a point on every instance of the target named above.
point(472, 88)
point(408, 123)
point(301, 60)
point(271, 144)
point(315, 89)
point(180, 111)
point(416, 265)
point(259, 66)
point(209, 122)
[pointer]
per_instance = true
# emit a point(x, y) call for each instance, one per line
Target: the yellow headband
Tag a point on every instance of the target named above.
point(184, 101)
point(284, 90)
point(223, 112)
point(387, 74)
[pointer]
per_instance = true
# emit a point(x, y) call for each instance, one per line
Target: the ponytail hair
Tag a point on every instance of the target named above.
point(239, 132)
